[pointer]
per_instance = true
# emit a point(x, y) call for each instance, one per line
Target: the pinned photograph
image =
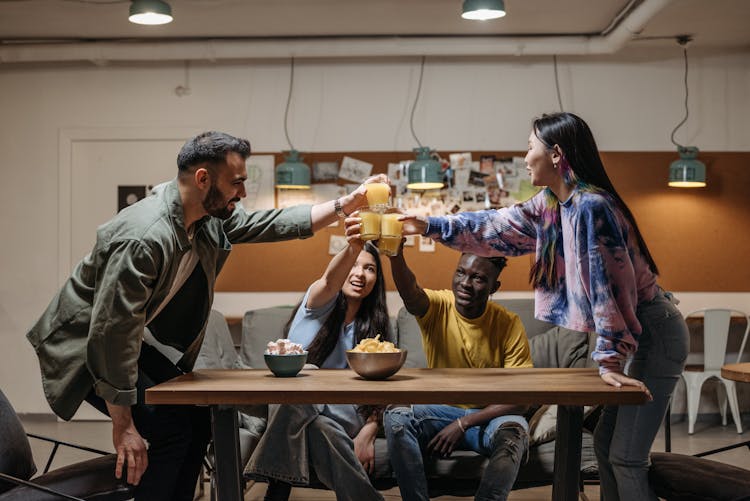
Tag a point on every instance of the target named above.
point(487, 164)
point(325, 171)
point(354, 170)
point(460, 160)
point(336, 244)
point(476, 178)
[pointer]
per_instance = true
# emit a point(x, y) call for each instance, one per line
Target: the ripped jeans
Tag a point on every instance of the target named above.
point(504, 440)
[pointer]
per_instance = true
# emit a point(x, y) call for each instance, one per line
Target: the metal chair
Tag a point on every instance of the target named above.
point(715, 334)
point(92, 479)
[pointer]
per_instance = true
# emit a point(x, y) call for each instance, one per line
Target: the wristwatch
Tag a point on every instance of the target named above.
point(338, 209)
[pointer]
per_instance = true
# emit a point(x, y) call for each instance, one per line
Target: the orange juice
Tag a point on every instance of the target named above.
point(378, 194)
point(390, 226)
point(370, 229)
point(388, 245)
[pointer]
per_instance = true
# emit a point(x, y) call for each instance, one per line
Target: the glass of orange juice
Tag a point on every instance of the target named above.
point(378, 194)
point(390, 232)
point(370, 226)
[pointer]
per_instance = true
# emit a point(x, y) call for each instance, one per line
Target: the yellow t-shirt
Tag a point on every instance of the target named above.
point(497, 338)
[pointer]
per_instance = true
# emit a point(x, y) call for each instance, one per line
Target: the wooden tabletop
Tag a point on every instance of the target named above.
point(737, 372)
point(416, 386)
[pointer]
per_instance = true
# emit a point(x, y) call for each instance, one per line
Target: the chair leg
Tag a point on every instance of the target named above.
point(731, 391)
point(721, 396)
point(693, 388)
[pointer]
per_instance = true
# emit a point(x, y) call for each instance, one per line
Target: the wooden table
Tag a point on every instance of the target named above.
point(570, 389)
point(737, 372)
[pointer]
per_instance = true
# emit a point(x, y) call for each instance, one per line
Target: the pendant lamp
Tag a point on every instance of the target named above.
point(151, 12)
point(482, 10)
point(292, 173)
point(425, 173)
point(687, 171)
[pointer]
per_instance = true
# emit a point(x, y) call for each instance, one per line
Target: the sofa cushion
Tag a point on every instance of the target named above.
point(688, 478)
point(560, 347)
point(258, 328)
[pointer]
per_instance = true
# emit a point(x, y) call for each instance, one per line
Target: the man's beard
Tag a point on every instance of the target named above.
point(214, 204)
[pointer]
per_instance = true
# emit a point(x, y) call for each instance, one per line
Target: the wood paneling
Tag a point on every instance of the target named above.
point(700, 238)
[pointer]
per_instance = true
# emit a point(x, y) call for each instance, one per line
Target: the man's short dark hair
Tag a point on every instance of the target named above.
point(211, 147)
point(498, 262)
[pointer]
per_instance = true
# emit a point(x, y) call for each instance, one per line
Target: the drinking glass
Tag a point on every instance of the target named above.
point(370, 228)
point(378, 194)
point(390, 232)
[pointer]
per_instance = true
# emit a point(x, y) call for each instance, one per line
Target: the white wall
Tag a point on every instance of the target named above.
point(338, 106)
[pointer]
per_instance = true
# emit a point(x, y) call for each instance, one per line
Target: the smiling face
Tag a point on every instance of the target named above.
point(227, 187)
point(474, 282)
point(540, 163)
point(362, 278)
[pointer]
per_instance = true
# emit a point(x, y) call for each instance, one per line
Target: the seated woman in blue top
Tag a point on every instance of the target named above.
point(342, 307)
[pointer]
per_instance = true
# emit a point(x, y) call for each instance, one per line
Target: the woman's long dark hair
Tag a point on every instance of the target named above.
point(581, 164)
point(372, 318)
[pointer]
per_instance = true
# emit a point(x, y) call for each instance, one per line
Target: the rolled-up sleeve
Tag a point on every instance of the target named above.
point(122, 289)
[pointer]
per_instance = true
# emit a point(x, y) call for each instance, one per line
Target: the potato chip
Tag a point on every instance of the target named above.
point(375, 345)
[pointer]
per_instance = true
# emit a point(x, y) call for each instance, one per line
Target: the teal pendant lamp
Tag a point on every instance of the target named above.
point(687, 171)
point(292, 173)
point(425, 173)
point(150, 12)
point(482, 10)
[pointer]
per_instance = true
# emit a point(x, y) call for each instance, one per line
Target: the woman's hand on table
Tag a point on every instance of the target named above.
point(618, 380)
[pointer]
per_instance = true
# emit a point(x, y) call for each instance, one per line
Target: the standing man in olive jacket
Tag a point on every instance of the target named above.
point(134, 311)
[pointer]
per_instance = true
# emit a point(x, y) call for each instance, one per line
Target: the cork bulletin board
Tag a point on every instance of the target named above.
point(700, 238)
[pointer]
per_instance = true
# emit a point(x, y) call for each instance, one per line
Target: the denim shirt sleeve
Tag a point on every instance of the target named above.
point(268, 225)
point(509, 231)
point(608, 278)
point(122, 288)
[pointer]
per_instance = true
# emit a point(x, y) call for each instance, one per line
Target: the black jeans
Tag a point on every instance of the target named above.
point(178, 435)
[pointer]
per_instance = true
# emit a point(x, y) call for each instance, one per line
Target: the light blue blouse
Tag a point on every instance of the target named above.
point(308, 321)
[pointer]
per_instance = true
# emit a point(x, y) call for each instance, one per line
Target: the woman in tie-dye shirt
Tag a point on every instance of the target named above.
point(593, 272)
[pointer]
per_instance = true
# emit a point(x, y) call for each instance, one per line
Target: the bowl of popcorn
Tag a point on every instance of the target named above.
point(284, 358)
point(375, 359)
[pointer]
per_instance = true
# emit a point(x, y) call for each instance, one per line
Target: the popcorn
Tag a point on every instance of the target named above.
point(284, 347)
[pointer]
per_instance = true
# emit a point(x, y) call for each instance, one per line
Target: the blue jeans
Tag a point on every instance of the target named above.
point(409, 430)
point(624, 434)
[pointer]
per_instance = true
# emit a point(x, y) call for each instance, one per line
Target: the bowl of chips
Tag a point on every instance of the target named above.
point(284, 358)
point(375, 359)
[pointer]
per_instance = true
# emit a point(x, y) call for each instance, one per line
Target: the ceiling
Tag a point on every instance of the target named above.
point(280, 28)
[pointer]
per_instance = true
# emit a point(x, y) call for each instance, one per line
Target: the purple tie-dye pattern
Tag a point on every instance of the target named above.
point(604, 274)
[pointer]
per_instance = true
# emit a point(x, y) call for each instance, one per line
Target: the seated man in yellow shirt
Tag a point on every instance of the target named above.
point(460, 328)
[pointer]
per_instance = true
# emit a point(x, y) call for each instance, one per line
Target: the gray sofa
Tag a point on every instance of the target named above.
point(458, 475)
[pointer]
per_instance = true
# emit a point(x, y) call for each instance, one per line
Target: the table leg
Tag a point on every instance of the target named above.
point(567, 453)
point(226, 453)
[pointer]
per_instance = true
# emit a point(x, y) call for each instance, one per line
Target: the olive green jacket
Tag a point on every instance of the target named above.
point(91, 333)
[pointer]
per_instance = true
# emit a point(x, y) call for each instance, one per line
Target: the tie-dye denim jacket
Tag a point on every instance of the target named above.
point(603, 275)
